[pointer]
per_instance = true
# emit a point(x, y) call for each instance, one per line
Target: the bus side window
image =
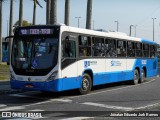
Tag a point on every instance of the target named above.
point(110, 48)
point(138, 49)
point(130, 49)
point(68, 48)
point(84, 46)
point(98, 47)
point(121, 48)
point(145, 50)
point(152, 51)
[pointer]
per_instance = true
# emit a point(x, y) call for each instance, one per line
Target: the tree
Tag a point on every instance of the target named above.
point(53, 16)
point(1, 31)
point(48, 9)
point(1, 4)
point(89, 14)
point(67, 12)
point(36, 2)
point(20, 12)
point(24, 23)
point(10, 31)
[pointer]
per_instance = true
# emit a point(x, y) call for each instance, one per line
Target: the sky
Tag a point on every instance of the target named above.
point(105, 12)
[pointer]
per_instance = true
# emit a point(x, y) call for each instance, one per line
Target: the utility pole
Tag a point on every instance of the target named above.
point(89, 14)
point(153, 27)
point(78, 20)
point(130, 33)
point(10, 31)
point(117, 24)
point(135, 30)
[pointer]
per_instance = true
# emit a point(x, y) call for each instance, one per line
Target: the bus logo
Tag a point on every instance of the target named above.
point(86, 64)
point(116, 63)
point(89, 63)
point(144, 62)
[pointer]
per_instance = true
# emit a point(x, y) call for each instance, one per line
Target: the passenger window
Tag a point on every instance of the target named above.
point(130, 49)
point(84, 46)
point(110, 45)
point(138, 49)
point(121, 48)
point(98, 47)
point(68, 48)
point(145, 50)
point(152, 51)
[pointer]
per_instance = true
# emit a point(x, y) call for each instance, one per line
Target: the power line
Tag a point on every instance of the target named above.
point(148, 17)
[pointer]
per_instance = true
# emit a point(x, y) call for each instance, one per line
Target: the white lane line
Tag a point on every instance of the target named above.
point(36, 110)
point(62, 100)
point(2, 105)
point(22, 95)
point(12, 108)
point(147, 106)
point(77, 118)
point(112, 89)
point(108, 106)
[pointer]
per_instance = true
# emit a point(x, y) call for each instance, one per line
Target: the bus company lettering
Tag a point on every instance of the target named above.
point(89, 63)
point(144, 62)
point(116, 63)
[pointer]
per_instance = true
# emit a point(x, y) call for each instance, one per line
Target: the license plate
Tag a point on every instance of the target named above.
point(29, 86)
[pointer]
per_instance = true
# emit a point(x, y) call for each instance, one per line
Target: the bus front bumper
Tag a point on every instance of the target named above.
point(51, 86)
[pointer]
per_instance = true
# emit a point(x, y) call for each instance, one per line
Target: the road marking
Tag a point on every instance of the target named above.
point(147, 106)
point(108, 106)
point(36, 110)
point(113, 89)
point(77, 118)
point(12, 108)
point(22, 95)
point(3, 105)
point(69, 101)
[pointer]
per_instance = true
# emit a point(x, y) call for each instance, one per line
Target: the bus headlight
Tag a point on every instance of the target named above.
point(52, 76)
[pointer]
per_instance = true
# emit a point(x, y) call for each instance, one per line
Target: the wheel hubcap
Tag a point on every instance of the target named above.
point(136, 77)
point(85, 84)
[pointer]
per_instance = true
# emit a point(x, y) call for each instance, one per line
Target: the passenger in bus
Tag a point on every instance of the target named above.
point(85, 53)
point(67, 47)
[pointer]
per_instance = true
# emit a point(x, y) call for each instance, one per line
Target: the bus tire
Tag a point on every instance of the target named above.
point(86, 84)
point(143, 75)
point(136, 77)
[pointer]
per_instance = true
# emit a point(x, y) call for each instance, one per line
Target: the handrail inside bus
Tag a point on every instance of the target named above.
point(9, 37)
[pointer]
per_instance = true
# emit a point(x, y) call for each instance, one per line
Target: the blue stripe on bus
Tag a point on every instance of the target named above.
point(148, 41)
point(99, 78)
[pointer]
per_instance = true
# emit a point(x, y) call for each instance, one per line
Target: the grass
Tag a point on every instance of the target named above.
point(4, 72)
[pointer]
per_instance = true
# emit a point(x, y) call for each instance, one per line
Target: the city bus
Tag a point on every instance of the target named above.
point(56, 58)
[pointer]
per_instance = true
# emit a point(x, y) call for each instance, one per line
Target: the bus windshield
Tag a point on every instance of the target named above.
point(36, 53)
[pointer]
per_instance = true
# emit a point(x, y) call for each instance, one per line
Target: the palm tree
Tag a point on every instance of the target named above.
point(1, 30)
point(20, 12)
point(10, 31)
point(67, 12)
point(53, 14)
point(89, 14)
point(36, 2)
point(48, 8)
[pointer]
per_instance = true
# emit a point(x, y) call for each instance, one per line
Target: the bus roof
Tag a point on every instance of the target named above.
point(117, 35)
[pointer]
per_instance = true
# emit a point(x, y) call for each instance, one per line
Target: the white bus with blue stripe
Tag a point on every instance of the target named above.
point(58, 58)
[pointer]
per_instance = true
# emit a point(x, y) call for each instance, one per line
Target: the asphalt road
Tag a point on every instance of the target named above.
point(103, 102)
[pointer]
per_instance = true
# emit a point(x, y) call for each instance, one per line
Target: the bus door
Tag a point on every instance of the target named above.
point(69, 61)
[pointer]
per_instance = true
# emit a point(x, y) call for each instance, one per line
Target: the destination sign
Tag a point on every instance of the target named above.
point(35, 31)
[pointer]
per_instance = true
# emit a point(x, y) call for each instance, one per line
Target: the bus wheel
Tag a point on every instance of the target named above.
point(136, 77)
point(86, 84)
point(143, 76)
